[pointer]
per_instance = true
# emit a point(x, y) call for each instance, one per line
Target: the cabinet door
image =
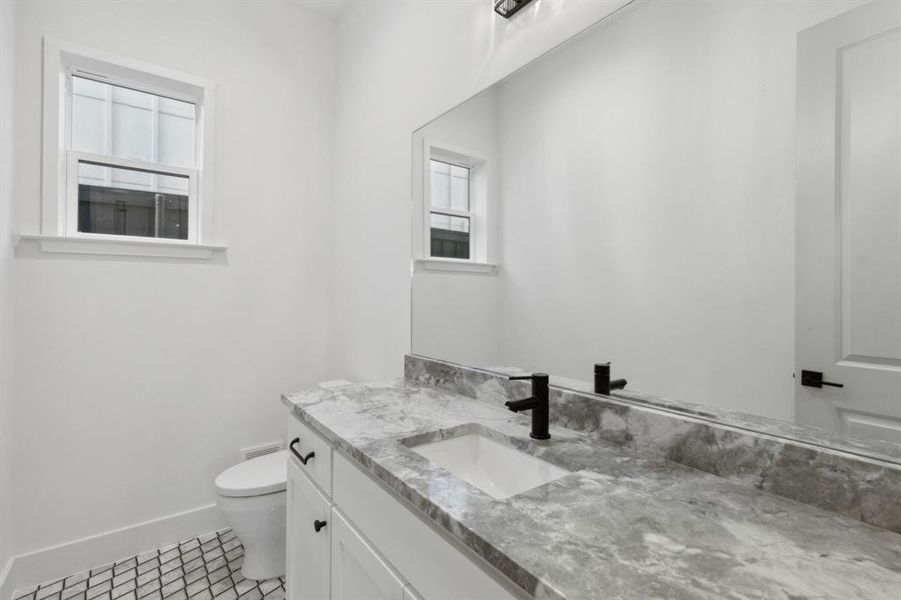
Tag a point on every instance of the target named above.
point(358, 573)
point(436, 568)
point(309, 551)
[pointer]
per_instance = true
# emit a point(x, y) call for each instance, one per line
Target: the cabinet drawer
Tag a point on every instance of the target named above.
point(303, 441)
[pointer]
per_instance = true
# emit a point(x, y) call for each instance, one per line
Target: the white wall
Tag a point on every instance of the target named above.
point(648, 183)
point(7, 63)
point(400, 65)
point(138, 380)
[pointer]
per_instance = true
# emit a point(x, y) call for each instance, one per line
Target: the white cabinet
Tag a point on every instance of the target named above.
point(358, 573)
point(396, 552)
point(437, 568)
point(308, 550)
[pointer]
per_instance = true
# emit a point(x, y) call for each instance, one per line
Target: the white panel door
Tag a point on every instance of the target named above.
point(849, 223)
point(358, 572)
point(309, 550)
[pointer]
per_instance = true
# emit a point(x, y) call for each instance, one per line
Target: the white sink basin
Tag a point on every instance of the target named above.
point(495, 468)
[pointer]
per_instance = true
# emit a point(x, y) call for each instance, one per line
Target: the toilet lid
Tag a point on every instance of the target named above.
point(262, 475)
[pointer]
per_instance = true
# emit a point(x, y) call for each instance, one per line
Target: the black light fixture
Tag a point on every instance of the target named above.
point(508, 8)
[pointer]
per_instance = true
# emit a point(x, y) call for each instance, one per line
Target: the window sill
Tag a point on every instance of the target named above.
point(454, 264)
point(123, 247)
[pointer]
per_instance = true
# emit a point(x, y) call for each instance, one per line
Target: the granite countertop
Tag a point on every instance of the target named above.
point(621, 526)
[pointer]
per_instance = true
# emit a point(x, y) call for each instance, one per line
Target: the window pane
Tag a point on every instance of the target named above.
point(89, 132)
point(176, 140)
point(119, 201)
point(450, 185)
point(440, 167)
point(449, 236)
point(125, 123)
point(441, 187)
point(132, 132)
point(90, 88)
point(460, 188)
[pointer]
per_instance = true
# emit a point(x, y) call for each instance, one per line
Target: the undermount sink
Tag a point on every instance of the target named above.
point(495, 468)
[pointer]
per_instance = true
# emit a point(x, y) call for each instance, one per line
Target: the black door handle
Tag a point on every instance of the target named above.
point(815, 379)
point(300, 457)
point(317, 525)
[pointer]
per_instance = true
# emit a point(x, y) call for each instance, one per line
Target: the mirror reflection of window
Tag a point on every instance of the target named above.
point(450, 216)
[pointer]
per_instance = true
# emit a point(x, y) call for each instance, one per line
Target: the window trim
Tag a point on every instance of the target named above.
point(481, 211)
point(58, 213)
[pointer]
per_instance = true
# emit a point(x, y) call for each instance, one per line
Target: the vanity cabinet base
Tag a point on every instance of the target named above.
point(362, 542)
point(437, 567)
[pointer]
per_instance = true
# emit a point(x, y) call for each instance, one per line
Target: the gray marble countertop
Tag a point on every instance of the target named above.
point(621, 526)
point(870, 449)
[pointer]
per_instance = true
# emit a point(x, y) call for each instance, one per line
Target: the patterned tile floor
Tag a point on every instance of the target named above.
point(204, 568)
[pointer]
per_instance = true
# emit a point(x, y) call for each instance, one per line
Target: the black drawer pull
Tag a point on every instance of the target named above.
point(301, 458)
point(317, 525)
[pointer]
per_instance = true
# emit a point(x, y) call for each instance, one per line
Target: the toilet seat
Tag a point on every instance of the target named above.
point(255, 477)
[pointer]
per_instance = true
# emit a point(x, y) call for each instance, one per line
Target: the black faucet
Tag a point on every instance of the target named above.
point(537, 403)
point(602, 383)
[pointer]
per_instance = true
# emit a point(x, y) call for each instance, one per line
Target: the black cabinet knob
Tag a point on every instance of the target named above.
point(317, 525)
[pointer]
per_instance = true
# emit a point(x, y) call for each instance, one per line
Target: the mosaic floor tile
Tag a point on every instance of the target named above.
point(202, 568)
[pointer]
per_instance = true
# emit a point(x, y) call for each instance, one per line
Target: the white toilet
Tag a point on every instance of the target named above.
point(252, 498)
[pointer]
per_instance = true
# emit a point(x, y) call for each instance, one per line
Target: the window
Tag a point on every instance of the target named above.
point(123, 146)
point(456, 207)
point(450, 217)
point(127, 140)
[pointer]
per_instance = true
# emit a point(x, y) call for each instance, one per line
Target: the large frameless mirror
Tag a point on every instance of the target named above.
point(707, 195)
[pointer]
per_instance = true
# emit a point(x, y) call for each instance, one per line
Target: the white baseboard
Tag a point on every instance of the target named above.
point(57, 561)
point(7, 581)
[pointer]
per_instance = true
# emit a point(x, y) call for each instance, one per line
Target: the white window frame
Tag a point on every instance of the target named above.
point(59, 202)
point(480, 213)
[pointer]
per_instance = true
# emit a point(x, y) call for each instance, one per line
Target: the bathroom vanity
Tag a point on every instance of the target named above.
point(382, 510)
point(350, 536)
